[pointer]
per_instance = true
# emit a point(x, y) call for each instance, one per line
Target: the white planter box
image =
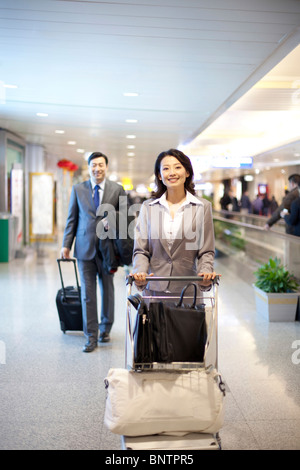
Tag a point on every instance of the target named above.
point(276, 307)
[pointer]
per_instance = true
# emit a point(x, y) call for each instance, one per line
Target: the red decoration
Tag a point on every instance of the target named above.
point(73, 167)
point(67, 165)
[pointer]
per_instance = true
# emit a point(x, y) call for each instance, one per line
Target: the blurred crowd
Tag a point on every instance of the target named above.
point(288, 209)
point(261, 205)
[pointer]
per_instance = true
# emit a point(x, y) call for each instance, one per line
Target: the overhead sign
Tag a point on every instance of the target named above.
point(232, 162)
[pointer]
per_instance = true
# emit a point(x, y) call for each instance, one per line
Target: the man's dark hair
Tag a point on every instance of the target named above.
point(97, 155)
point(295, 178)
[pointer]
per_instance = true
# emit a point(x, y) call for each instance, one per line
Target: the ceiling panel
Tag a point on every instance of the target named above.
point(187, 60)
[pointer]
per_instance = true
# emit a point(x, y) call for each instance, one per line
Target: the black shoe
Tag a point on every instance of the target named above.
point(104, 338)
point(89, 347)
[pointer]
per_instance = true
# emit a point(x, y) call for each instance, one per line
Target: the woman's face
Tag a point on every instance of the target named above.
point(172, 172)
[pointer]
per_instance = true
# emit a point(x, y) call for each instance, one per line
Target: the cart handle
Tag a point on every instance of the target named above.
point(130, 278)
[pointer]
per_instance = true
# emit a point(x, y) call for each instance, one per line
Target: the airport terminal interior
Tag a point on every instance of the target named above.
point(219, 81)
point(53, 395)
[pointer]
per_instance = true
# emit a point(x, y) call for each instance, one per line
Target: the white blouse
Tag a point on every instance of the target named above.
point(172, 226)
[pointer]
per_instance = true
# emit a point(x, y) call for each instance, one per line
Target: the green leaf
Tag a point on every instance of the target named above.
point(273, 277)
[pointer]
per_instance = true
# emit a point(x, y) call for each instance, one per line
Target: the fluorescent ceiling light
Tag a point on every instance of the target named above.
point(6, 85)
point(131, 120)
point(133, 147)
point(42, 114)
point(59, 131)
point(130, 154)
point(80, 150)
point(127, 93)
point(72, 142)
point(130, 136)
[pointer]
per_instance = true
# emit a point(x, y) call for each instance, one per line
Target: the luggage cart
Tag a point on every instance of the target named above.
point(191, 441)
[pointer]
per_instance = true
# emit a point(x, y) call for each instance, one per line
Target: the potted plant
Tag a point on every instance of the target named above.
point(276, 291)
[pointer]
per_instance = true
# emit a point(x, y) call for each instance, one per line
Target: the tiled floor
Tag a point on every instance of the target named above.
point(53, 397)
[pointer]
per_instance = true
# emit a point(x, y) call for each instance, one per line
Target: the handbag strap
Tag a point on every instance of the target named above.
point(183, 292)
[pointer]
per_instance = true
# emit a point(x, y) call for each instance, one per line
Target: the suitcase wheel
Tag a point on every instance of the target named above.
point(62, 326)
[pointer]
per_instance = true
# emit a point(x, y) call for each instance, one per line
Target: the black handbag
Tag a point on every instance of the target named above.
point(170, 332)
point(142, 334)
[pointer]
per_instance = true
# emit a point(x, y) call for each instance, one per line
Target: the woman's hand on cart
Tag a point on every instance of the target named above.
point(207, 278)
point(140, 278)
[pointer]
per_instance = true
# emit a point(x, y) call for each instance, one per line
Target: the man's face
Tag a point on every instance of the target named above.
point(98, 170)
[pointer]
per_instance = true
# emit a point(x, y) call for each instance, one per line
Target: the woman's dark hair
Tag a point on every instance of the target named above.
point(186, 163)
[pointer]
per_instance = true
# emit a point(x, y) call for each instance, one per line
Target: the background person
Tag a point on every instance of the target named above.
point(245, 203)
point(294, 181)
point(81, 225)
point(293, 219)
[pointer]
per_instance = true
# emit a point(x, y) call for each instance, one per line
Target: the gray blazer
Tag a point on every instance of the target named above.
point(82, 220)
point(192, 251)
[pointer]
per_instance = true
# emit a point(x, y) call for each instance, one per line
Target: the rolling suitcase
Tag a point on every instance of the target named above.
point(68, 302)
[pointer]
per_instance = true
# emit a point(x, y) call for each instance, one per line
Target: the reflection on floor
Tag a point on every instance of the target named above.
point(53, 396)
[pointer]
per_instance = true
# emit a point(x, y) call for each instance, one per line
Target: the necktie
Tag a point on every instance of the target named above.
point(96, 196)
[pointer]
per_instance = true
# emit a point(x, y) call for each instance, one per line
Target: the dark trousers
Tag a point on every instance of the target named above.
point(89, 271)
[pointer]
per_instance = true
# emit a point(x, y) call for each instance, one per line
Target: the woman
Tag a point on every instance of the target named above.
point(174, 232)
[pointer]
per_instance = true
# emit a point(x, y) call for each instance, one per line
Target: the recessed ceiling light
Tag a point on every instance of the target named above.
point(128, 93)
point(6, 85)
point(42, 114)
point(131, 146)
point(130, 154)
point(80, 150)
point(131, 120)
point(130, 136)
point(248, 178)
point(59, 131)
point(72, 142)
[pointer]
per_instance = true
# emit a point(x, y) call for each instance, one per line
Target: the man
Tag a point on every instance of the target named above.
point(82, 223)
point(294, 181)
point(246, 206)
point(293, 219)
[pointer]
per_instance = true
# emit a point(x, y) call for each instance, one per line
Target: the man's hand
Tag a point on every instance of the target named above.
point(65, 253)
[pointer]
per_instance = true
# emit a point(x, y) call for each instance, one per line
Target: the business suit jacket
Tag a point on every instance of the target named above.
point(293, 219)
point(81, 225)
point(82, 219)
point(192, 251)
point(286, 204)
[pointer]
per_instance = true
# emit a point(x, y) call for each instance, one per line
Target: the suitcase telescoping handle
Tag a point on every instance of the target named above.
point(72, 260)
point(174, 278)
